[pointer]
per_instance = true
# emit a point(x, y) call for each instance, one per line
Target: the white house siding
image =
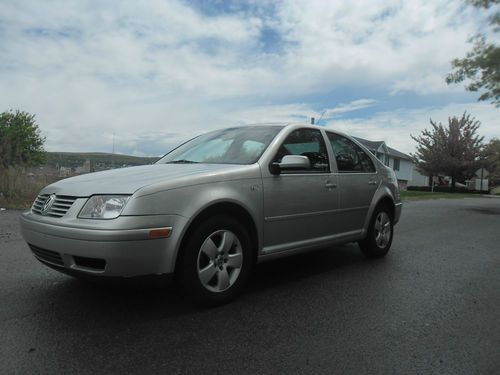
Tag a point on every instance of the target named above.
point(405, 169)
point(418, 179)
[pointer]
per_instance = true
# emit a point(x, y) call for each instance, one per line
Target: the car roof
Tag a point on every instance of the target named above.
point(283, 125)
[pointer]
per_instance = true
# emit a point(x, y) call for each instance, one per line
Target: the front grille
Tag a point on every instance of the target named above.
point(59, 208)
point(47, 255)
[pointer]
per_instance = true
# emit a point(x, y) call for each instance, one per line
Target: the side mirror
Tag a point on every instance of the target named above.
point(290, 162)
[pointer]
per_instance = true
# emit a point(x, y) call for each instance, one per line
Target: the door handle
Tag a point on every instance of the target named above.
point(330, 185)
point(372, 182)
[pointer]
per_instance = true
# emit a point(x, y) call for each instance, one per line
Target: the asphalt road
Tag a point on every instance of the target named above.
point(431, 306)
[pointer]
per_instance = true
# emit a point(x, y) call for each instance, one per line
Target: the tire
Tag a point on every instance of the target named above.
point(380, 232)
point(216, 261)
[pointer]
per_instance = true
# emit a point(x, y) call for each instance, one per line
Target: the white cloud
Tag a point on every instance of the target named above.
point(287, 113)
point(293, 113)
point(157, 73)
point(352, 106)
point(395, 127)
point(393, 43)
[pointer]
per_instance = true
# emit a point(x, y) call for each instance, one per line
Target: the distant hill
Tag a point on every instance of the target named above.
point(99, 160)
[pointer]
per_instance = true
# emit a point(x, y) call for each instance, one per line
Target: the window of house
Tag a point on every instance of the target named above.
point(396, 164)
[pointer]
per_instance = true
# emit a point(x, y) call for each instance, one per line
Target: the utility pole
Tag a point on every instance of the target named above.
point(482, 174)
point(113, 153)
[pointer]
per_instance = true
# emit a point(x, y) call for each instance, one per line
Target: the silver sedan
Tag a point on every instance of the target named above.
point(210, 209)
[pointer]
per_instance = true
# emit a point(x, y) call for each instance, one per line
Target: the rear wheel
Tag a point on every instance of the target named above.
point(216, 261)
point(380, 232)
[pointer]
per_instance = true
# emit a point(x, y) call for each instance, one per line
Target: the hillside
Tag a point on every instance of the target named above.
point(99, 160)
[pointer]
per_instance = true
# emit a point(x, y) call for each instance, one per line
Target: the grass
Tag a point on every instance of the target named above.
point(18, 190)
point(423, 195)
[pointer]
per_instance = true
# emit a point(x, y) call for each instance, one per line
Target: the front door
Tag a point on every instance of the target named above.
point(300, 205)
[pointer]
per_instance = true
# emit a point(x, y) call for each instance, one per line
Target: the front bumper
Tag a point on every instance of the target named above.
point(123, 249)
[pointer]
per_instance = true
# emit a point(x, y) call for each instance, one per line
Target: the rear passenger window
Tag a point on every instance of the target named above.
point(349, 156)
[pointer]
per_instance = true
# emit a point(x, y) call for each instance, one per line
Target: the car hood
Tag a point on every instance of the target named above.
point(129, 180)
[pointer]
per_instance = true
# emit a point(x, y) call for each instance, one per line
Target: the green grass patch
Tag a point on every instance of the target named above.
point(423, 195)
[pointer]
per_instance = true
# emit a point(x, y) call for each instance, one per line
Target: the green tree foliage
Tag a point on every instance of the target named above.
point(21, 143)
point(481, 66)
point(491, 157)
point(453, 151)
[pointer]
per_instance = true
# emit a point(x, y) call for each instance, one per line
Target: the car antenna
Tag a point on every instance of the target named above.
point(320, 117)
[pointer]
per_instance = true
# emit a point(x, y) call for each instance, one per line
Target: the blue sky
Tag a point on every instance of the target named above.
point(155, 73)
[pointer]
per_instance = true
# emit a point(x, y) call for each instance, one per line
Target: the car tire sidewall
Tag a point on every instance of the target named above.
point(369, 245)
point(188, 271)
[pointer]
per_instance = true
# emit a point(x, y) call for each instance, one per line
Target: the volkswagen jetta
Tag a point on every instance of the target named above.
point(211, 208)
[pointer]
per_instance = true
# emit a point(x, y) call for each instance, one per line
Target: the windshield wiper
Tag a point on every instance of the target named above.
point(182, 161)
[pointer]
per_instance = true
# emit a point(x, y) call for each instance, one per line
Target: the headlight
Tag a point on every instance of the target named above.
point(104, 207)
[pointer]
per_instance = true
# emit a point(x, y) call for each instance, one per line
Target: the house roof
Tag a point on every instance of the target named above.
point(371, 145)
point(398, 154)
point(375, 145)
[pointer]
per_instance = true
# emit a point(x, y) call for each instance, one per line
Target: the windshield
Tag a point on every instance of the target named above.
point(242, 145)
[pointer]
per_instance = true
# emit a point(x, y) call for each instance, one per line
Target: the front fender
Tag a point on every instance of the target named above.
point(191, 201)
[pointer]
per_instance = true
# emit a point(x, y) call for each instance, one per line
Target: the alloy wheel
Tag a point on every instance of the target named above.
point(383, 229)
point(220, 260)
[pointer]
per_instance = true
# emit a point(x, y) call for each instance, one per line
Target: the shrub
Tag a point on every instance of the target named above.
point(440, 189)
point(19, 189)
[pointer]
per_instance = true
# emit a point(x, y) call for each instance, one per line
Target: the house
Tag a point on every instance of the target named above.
point(479, 181)
point(65, 171)
point(401, 163)
point(86, 167)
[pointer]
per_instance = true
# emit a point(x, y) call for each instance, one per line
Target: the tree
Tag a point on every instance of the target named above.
point(21, 143)
point(453, 151)
point(481, 65)
point(491, 157)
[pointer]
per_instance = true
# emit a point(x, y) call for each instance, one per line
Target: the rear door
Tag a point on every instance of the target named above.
point(357, 182)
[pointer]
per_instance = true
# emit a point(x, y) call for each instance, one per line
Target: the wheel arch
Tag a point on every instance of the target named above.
point(229, 208)
point(389, 203)
point(369, 244)
point(382, 198)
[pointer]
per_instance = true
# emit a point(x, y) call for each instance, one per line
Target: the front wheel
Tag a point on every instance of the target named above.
point(216, 261)
point(379, 237)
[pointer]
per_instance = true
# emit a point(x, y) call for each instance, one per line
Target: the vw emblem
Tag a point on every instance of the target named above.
point(48, 204)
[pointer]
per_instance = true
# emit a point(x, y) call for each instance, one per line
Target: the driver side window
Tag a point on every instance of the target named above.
point(306, 142)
